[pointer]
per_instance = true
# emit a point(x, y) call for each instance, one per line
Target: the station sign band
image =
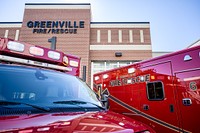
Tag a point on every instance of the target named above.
point(55, 27)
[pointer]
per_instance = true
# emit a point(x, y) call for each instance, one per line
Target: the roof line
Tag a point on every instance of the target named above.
point(193, 43)
point(57, 3)
point(10, 22)
point(119, 22)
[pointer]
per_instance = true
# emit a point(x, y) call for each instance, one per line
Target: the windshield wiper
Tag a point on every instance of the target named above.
point(70, 102)
point(4, 102)
point(76, 102)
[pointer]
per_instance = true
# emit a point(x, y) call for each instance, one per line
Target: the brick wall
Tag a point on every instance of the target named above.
point(11, 32)
point(76, 44)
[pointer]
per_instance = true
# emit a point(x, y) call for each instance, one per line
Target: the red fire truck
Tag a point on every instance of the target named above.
point(163, 92)
point(40, 92)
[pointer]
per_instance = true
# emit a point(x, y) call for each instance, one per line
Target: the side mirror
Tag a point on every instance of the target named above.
point(105, 101)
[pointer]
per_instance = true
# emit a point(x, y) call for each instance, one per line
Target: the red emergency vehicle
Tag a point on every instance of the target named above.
point(40, 92)
point(163, 92)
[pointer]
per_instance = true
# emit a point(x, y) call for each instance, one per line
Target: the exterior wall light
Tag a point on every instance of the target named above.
point(118, 54)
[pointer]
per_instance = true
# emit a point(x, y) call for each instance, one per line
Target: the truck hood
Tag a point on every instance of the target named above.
point(81, 122)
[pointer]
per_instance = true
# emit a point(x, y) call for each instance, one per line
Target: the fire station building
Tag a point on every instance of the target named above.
point(101, 45)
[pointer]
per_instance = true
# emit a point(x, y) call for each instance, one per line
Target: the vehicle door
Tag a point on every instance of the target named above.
point(158, 106)
point(188, 90)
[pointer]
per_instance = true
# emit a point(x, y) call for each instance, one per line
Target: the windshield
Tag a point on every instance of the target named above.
point(42, 87)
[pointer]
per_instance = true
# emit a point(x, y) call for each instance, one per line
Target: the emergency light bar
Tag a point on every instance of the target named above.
point(20, 47)
point(34, 63)
point(29, 54)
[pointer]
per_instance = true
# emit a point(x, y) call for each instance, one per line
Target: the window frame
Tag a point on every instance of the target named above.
point(155, 99)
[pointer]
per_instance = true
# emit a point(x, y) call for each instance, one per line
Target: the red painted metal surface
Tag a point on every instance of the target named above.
point(71, 122)
point(179, 75)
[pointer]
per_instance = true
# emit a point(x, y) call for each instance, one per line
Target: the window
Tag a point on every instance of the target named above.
point(42, 87)
point(155, 91)
point(120, 36)
point(6, 34)
point(141, 36)
point(100, 66)
point(98, 36)
point(17, 35)
point(111, 65)
point(109, 36)
point(130, 36)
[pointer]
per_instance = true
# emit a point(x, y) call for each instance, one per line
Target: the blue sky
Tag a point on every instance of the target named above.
point(174, 24)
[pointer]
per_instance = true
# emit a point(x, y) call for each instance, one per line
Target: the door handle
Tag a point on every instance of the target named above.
point(171, 108)
point(145, 107)
point(187, 101)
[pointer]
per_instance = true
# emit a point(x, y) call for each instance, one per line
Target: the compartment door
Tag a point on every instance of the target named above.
point(158, 98)
point(188, 90)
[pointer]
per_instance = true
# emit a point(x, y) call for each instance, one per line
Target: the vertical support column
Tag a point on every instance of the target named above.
point(17, 35)
point(109, 36)
point(98, 36)
point(6, 33)
point(141, 36)
point(84, 73)
point(130, 36)
point(120, 36)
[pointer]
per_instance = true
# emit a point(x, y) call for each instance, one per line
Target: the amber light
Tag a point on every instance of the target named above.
point(152, 77)
point(66, 123)
point(26, 131)
point(73, 63)
point(65, 60)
